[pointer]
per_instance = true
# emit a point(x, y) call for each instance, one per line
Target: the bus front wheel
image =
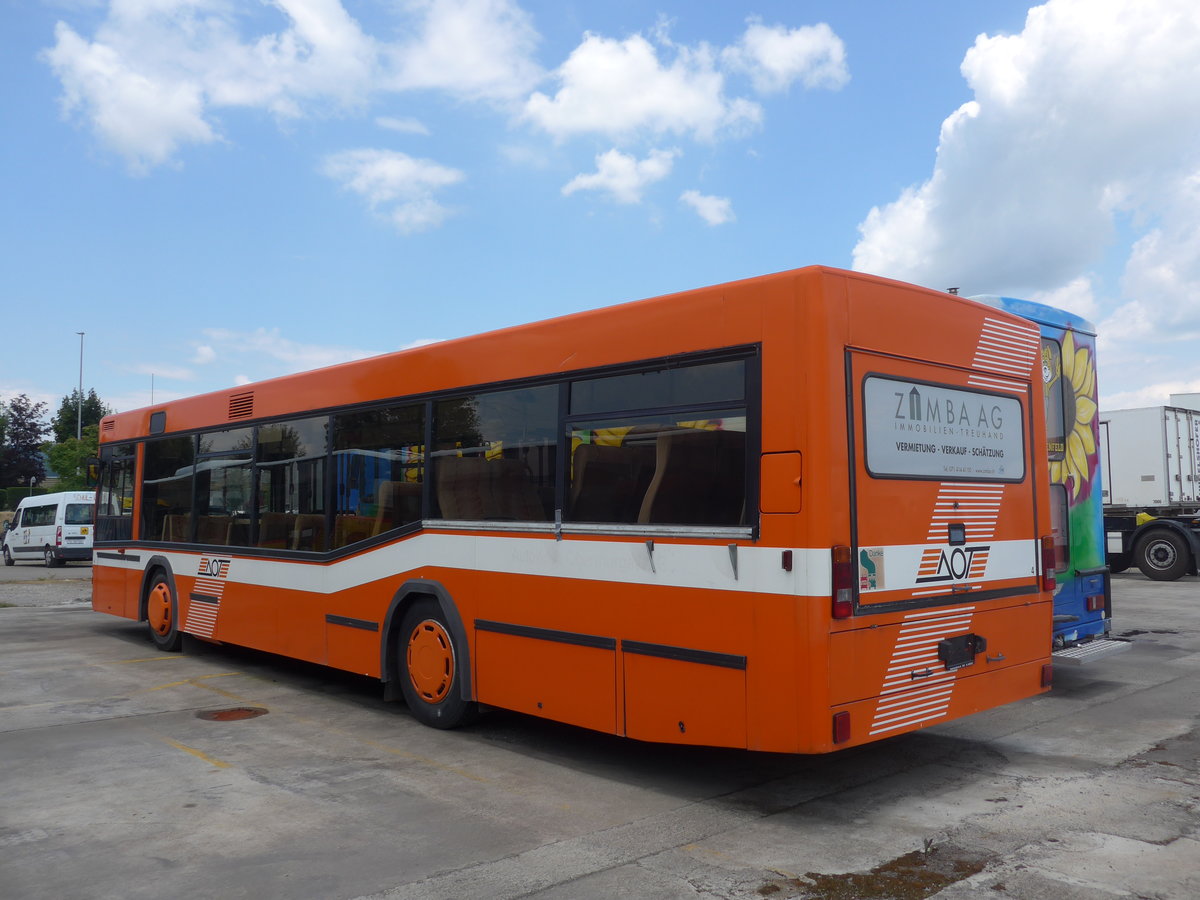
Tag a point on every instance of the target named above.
point(162, 615)
point(428, 659)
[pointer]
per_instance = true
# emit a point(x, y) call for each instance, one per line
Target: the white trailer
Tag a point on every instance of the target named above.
point(1150, 460)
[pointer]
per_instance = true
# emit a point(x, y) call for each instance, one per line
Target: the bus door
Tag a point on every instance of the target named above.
point(944, 521)
point(943, 492)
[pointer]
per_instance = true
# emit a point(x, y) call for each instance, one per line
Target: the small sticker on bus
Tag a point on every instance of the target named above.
point(870, 569)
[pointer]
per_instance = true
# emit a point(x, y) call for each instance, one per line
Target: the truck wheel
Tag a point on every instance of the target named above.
point(1118, 563)
point(1162, 555)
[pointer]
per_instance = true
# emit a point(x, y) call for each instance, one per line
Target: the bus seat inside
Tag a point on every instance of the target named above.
point(697, 479)
point(475, 488)
point(608, 483)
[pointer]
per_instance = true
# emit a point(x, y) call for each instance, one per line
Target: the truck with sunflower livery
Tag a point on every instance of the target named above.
point(1151, 487)
point(1083, 594)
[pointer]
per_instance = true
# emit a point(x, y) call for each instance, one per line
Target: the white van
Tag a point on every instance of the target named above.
point(53, 528)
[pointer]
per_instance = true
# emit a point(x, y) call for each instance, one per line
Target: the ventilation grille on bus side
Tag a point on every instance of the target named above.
point(241, 406)
point(108, 425)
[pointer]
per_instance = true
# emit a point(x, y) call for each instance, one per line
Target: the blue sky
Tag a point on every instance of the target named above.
point(218, 192)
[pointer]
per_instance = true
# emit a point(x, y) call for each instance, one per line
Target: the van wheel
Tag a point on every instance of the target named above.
point(8, 560)
point(51, 562)
point(428, 659)
point(162, 615)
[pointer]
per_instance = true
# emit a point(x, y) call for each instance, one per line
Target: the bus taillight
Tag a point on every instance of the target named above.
point(1048, 555)
point(843, 582)
point(841, 727)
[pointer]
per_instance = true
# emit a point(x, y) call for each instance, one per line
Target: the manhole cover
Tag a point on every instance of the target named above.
point(231, 715)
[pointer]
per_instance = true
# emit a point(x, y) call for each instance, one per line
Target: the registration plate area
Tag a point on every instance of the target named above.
point(924, 645)
point(959, 652)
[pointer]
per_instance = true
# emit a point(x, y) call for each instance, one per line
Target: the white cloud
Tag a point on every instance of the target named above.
point(618, 88)
point(160, 370)
point(623, 89)
point(1077, 296)
point(402, 125)
point(154, 76)
point(775, 57)
point(204, 354)
point(713, 210)
point(1157, 394)
point(394, 184)
point(419, 342)
point(8, 392)
point(624, 177)
point(475, 49)
point(268, 343)
point(143, 118)
point(1086, 118)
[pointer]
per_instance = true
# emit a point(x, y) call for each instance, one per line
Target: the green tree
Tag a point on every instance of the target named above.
point(20, 452)
point(94, 409)
point(69, 458)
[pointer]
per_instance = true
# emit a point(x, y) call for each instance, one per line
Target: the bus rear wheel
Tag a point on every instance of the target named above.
point(1162, 555)
point(428, 660)
point(162, 615)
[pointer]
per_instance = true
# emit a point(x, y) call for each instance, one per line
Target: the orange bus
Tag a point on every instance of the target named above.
point(793, 513)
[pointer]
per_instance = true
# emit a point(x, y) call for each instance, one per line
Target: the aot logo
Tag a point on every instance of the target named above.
point(952, 564)
point(213, 568)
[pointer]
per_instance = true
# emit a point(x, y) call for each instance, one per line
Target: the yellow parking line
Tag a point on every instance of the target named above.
point(125, 662)
point(199, 754)
point(194, 682)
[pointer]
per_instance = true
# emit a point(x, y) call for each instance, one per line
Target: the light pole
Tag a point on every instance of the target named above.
point(79, 407)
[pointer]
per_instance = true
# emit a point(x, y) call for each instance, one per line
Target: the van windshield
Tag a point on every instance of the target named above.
point(79, 514)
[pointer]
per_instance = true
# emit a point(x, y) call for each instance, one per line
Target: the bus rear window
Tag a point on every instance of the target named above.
point(915, 429)
point(79, 514)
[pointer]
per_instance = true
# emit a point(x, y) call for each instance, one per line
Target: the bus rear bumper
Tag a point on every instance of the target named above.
point(955, 695)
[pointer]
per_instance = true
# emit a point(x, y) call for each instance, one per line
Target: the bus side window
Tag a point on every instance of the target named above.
point(1059, 527)
point(290, 463)
point(682, 467)
point(379, 467)
point(495, 456)
point(167, 489)
point(114, 515)
point(660, 471)
point(1052, 384)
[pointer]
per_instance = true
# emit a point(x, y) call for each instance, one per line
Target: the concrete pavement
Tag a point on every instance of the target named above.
point(111, 785)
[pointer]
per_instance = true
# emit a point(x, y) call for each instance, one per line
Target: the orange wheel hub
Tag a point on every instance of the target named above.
point(431, 661)
point(158, 609)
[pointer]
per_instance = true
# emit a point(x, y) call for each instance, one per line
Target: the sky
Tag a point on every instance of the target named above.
point(221, 191)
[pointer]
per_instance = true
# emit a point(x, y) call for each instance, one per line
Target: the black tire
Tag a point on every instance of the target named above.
point(1162, 555)
point(429, 665)
point(48, 558)
point(1118, 563)
point(8, 560)
point(162, 615)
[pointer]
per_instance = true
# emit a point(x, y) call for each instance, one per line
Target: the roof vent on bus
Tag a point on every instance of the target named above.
point(108, 424)
point(241, 406)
